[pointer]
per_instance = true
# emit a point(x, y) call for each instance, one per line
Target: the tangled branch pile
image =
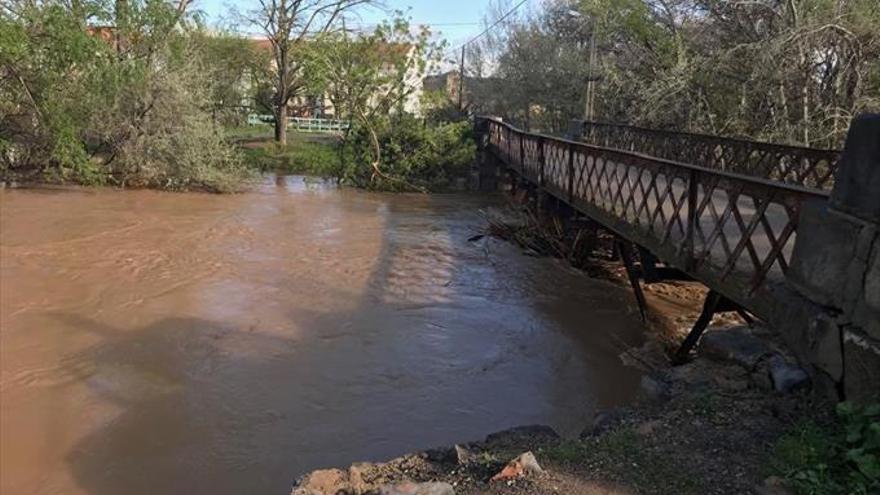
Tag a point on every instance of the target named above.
point(581, 244)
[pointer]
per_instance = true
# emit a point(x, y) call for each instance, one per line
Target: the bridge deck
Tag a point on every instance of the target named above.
point(733, 232)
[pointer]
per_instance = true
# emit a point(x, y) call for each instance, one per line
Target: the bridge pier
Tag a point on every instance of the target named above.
point(835, 267)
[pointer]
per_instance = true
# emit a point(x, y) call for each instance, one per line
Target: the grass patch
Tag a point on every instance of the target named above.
point(625, 456)
point(303, 154)
point(250, 132)
point(842, 457)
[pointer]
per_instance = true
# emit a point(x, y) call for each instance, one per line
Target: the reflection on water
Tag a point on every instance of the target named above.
point(188, 343)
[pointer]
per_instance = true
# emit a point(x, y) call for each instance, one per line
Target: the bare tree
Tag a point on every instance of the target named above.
point(288, 25)
point(788, 71)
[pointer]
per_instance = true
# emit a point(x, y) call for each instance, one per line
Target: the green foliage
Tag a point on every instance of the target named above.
point(299, 156)
point(234, 69)
point(369, 79)
point(371, 75)
point(840, 458)
point(413, 154)
point(131, 105)
point(438, 109)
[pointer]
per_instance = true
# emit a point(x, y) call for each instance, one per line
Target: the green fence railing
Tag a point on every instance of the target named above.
point(302, 124)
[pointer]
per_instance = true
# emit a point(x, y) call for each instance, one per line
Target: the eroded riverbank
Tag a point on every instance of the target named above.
point(156, 342)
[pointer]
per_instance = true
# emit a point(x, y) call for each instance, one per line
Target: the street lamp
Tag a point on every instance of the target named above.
point(591, 78)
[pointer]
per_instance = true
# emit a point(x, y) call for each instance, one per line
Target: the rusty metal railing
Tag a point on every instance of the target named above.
point(807, 167)
point(732, 231)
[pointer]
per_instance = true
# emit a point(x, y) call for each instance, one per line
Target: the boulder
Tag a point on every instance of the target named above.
point(357, 474)
point(523, 465)
point(734, 344)
point(787, 377)
point(409, 488)
point(654, 388)
point(603, 421)
point(324, 482)
point(440, 454)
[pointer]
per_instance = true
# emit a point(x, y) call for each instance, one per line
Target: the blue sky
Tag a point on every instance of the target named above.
point(457, 20)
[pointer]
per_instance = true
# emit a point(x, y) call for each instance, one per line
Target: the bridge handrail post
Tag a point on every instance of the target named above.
point(541, 159)
point(522, 152)
point(570, 173)
point(507, 145)
point(688, 247)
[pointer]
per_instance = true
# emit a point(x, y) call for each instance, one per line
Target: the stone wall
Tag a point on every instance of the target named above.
point(836, 267)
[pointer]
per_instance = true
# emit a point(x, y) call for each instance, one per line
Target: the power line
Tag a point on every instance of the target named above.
point(494, 24)
point(369, 27)
point(428, 24)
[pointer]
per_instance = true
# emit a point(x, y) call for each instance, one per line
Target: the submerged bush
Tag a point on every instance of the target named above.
point(413, 155)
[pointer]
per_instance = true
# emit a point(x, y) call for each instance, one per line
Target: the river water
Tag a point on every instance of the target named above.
point(189, 343)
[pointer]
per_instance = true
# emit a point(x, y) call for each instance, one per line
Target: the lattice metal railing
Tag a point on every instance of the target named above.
point(791, 164)
point(731, 231)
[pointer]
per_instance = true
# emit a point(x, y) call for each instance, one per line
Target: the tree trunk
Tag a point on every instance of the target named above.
point(805, 101)
point(281, 124)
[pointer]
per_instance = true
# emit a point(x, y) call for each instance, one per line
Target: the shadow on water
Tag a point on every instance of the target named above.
point(170, 384)
point(440, 347)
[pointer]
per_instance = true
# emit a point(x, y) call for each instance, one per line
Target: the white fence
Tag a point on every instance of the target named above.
point(302, 124)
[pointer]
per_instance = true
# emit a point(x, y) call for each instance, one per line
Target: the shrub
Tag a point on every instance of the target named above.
point(840, 458)
point(77, 110)
point(413, 155)
point(194, 157)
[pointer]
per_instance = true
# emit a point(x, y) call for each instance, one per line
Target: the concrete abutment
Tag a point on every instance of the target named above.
point(835, 266)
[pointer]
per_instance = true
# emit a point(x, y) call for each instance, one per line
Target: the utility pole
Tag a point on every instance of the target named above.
point(589, 105)
point(591, 76)
point(461, 82)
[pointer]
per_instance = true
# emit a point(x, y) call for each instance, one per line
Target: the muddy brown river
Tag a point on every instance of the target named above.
point(163, 343)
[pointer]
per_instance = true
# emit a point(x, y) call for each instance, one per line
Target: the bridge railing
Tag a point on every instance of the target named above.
point(732, 231)
point(807, 167)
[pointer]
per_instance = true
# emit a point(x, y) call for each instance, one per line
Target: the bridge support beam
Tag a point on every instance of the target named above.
point(624, 250)
point(713, 304)
point(835, 266)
